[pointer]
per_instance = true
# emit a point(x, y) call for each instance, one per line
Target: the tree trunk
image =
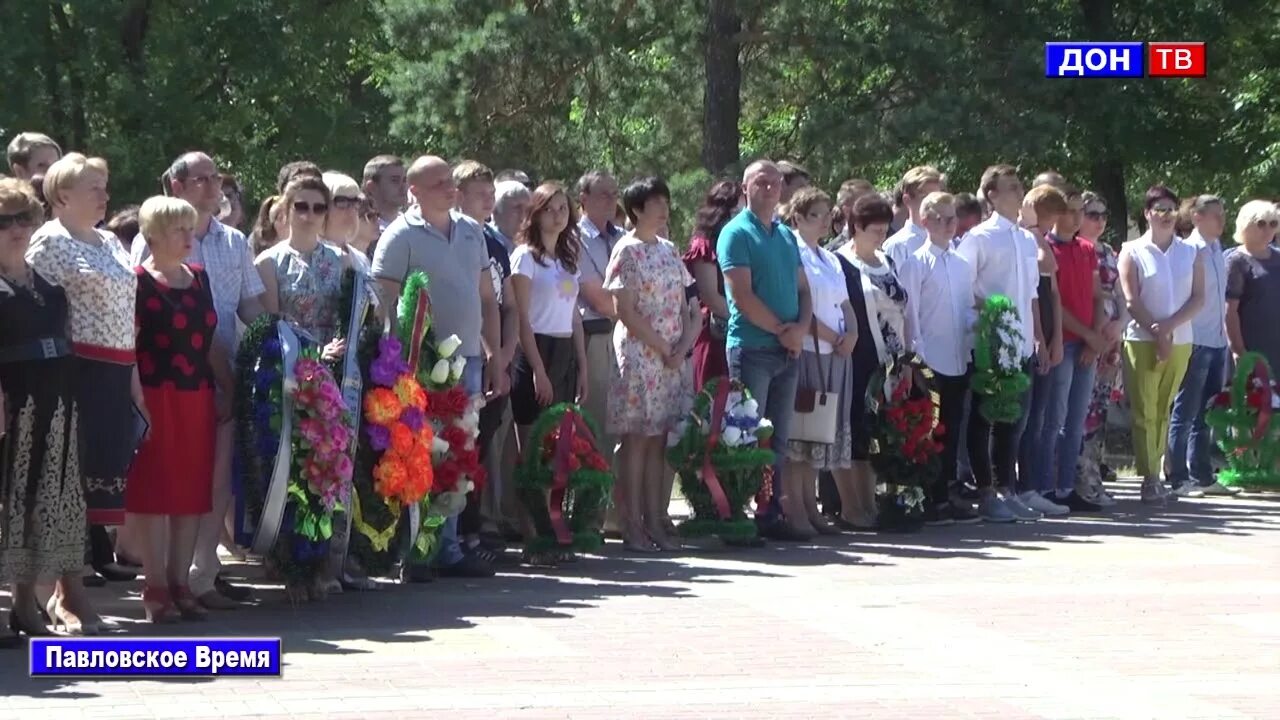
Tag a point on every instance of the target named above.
point(73, 43)
point(722, 99)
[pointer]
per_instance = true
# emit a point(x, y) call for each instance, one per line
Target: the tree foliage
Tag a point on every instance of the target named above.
point(848, 87)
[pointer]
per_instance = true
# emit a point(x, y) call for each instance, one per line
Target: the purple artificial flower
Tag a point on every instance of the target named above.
point(389, 365)
point(412, 418)
point(379, 437)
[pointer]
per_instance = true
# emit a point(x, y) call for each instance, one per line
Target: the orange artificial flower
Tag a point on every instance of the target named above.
point(410, 392)
point(381, 406)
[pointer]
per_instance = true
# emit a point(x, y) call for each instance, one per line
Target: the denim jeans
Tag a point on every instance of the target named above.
point(1068, 390)
point(770, 375)
point(1030, 428)
point(1188, 454)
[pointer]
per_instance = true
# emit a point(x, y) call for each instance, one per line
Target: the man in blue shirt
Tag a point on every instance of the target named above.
point(769, 315)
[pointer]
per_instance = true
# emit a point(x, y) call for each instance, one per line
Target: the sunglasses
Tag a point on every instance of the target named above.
point(313, 208)
point(25, 218)
point(344, 202)
point(1096, 214)
point(1164, 211)
point(1263, 224)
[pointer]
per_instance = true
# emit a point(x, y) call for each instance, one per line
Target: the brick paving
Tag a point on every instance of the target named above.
point(1141, 613)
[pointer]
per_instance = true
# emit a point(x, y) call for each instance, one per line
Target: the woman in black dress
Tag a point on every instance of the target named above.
point(42, 530)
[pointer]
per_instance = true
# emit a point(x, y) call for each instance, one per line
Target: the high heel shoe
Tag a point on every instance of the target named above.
point(187, 604)
point(158, 605)
point(68, 622)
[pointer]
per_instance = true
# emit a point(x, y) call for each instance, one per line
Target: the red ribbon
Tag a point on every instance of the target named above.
point(708, 469)
point(420, 315)
point(1264, 412)
point(571, 423)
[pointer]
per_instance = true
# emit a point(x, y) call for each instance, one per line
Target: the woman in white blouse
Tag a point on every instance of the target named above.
point(1163, 281)
point(95, 271)
point(825, 365)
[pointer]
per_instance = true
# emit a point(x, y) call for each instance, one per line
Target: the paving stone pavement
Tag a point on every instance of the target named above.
point(1140, 613)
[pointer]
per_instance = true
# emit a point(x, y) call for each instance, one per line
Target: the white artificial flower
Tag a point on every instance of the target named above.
point(673, 439)
point(440, 373)
point(439, 446)
point(448, 346)
point(732, 436)
point(751, 408)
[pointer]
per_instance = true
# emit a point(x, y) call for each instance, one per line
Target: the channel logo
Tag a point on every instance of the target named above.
point(1125, 60)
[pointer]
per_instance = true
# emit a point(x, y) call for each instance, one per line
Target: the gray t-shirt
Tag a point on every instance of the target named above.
point(454, 265)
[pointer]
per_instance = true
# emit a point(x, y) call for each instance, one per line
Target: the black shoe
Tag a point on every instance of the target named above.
point(231, 592)
point(937, 515)
point(470, 566)
point(1076, 503)
point(741, 542)
point(782, 532)
point(962, 513)
point(969, 491)
point(95, 580)
point(115, 573)
point(416, 573)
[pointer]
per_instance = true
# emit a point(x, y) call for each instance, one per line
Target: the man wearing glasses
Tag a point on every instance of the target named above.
point(237, 293)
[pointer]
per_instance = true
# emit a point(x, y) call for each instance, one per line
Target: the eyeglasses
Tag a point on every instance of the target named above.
point(343, 202)
point(1264, 224)
point(1096, 214)
point(313, 208)
point(26, 218)
point(1164, 210)
point(214, 179)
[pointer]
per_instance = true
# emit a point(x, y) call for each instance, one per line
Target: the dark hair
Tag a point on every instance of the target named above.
point(868, 210)
point(968, 205)
point(295, 169)
point(717, 209)
point(588, 181)
point(790, 171)
point(264, 234)
point(1155, 194)
point(124, 225)
point(638, 194)
point(519, 176)
point(531, 232)
point(37, 186)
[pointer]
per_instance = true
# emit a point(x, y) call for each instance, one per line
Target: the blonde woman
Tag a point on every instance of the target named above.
point(342, 224)
point(95, 271)
point(1253, 283)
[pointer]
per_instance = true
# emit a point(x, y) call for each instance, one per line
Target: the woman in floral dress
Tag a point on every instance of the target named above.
point(657, 329)
point(1106, 389)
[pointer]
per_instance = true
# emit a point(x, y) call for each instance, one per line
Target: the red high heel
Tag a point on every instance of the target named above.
point(188, 606)
point(158, 606)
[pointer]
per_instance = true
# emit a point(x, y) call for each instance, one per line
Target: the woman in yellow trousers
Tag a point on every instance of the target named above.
point(1163, 281)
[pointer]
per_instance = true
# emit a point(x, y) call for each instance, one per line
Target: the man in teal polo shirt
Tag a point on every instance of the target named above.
point(769, 315)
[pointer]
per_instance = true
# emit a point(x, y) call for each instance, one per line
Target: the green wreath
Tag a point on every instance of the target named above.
point(739, 470)
point(587, 492)
point(1247, 431)
point(999, 379)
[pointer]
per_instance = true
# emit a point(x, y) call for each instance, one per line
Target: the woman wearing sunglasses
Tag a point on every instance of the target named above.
point(1163, 281)
point(303, 275)
point(1253, 283)
point(342, 224)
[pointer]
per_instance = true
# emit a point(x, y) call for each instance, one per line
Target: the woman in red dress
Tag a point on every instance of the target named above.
point(170, 483)
point(723, 201)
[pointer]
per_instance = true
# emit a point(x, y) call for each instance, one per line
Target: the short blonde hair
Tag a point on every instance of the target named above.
point(339, 184)
point(1252, 212)
point(64, 174)
point(917, 177)
point(17, 196)
point(161, 214)
point(1046, 200)
point(935, 200)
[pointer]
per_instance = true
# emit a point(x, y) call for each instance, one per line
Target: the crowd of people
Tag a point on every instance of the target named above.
point(118, 338)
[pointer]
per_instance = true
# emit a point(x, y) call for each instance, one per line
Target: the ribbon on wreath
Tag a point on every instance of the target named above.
point(571, 423)
point(421, 314)
point(380, 540)
point(1260, 372)
point(709, 478)
point(277, 497)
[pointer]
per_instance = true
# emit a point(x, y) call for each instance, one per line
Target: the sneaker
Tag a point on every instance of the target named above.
point(1100, 496)
point(962, 512)
point(1040, 503)
point(239, 593)
point(993, 509)
point(1075, 502)
point(1188, 489)
point(1020, 511)
point(1152, 492)
point(937, 515)
point(1220, 490)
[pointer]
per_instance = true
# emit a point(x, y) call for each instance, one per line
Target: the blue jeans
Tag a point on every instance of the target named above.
point(770, 375)
point(450, 552)
point(1188, 454)
point(1030, 427)
point(1068, 390)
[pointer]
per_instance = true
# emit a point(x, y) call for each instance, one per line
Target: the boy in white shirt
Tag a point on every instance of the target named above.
point(940, 316)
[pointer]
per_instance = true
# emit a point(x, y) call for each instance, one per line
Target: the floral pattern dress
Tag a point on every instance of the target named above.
point(1106, 388)
point(309, 287)
point(646, 396)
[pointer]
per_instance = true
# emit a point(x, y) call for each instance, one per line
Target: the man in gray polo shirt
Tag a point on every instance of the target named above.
point(450, 248)
point(598, 197)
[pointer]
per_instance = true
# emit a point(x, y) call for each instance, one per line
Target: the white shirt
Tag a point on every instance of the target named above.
point(1164, 283)
point(903, 244)
point(553, 292)
point(939, 285)
point(1003, 258)
point(1208, 327)
point(827, 290)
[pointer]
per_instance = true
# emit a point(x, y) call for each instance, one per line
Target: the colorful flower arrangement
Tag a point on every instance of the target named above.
point(720, 449)
point(396, 425)
point(321, 448)
point(566, 484)
point(906, 441)
point(999, 379)
point(1246, 426)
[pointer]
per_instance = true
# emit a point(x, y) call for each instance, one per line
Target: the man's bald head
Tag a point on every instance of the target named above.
point(430, 180)
point(194, 178)
point(762, 185)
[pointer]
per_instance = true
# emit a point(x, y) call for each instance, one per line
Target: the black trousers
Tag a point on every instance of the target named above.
point(470, 521)
point(993, 447)
point(952, 390)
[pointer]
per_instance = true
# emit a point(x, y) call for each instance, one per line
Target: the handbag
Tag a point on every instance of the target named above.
point(814, 419)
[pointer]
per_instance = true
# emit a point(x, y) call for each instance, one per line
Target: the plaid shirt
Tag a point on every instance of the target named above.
point(224, 252)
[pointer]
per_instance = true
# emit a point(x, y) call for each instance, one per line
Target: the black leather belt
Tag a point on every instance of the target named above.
point(42, 349)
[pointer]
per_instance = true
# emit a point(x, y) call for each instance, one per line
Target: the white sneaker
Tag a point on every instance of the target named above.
point(1040, 503)
point(1102, 497)
point(1020, 509)
point(1220, 490)
point(1189, 489)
